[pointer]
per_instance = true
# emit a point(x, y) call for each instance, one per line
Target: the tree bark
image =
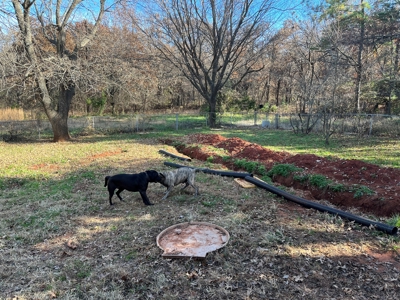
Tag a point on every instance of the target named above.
point(395, 77)
point(277, 92)
point(59, 120)
point(268, 89)
point(212, 118)
point(359, 68)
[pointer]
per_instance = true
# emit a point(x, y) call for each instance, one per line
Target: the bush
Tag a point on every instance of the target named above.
point(337, 187)
point(318, 180)
point(361, 190)
point(283, 170)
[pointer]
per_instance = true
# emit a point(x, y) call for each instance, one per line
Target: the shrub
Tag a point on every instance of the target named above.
point(283, 170)
point(318, 180)
point(247, 165)
point(337, 187)
point(361, 190)
point(301, 178)
point(394, 221)
point(261, 170)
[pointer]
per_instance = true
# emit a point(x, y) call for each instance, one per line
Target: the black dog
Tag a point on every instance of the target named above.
point(133, 183)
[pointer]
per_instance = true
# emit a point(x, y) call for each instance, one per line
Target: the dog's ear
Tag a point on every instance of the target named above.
point(162, 175)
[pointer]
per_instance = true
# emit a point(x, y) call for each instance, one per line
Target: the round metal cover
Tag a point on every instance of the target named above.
point(192, 239)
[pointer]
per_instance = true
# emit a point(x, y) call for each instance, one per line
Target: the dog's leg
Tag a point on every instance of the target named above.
point(196, 189)
point(145, 198)
point(111, 194)
point(190, 182)
point(186, 185)
point(167, 193)
point(110, 199)
point(118, 194)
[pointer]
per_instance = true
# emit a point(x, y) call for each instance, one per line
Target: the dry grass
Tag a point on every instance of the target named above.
point(11, 114)
point(59, 238)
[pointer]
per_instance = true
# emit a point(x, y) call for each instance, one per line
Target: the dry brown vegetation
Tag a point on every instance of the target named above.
point(60, 239)
point(11, 114)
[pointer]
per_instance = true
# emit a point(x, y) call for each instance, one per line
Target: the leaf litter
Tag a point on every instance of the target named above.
point(277, 250)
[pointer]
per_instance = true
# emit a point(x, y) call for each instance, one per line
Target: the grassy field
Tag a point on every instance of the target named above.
point(380, 151)
point(59, 238)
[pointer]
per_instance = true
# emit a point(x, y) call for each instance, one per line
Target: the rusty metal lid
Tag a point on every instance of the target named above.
point(191, 239)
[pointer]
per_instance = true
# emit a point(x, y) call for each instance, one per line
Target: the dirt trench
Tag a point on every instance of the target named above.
point(385, 182)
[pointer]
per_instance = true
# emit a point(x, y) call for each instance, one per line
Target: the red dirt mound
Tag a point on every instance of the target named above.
point(385, 182)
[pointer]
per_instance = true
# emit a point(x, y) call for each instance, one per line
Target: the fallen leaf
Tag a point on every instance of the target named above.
point(72, 244)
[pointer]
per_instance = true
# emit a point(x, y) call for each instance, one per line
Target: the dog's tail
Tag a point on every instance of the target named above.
point(106, 180)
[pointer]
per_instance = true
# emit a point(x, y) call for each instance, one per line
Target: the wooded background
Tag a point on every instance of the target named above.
point(97, 57)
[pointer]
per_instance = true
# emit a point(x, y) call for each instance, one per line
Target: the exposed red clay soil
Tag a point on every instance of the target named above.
point(55, 167)
point(52, 167)
point(103, 154)
point(384, 181)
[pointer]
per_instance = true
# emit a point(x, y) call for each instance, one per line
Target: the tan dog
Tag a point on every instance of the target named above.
point(185, 175)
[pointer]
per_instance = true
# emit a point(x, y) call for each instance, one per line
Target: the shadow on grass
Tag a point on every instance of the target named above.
point(59, 236)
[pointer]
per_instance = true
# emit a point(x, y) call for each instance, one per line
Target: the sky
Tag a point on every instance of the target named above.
point(284, 9)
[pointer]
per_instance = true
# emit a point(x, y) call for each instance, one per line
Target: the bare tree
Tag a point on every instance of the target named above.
point(132, 74)
point(52, 50)
point(308, 75)
point(337, 96)
point(212, 42)
point(316, 78)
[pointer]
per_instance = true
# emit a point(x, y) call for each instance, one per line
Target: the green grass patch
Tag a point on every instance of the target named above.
point(385, 150)
point(344, 147)
point(209, 203)
point(81, 269)
point(131, 255)
point(394, 221)
point(40, 219)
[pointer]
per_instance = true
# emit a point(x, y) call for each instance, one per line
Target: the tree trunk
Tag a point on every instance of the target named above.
point(59, 124)
point(388, 106)
point(59, 118)
point(268, 90)
point(394, 83)
point(277, 92)
point(359, 68)
point(288, 94)
point(212, 117)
